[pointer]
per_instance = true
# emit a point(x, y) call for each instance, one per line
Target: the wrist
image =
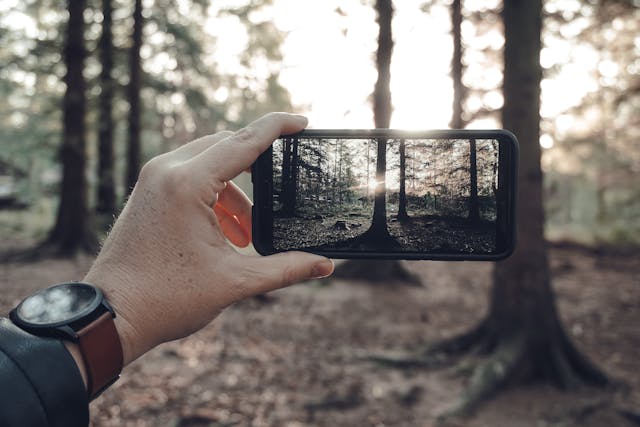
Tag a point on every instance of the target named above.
point(124, 326)
point(74, 351)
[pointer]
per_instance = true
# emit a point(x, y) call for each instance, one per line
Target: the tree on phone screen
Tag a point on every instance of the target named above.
point(402, 192)
point(474, 205)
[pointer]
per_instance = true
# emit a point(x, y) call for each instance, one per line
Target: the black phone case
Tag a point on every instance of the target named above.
point(262, 179)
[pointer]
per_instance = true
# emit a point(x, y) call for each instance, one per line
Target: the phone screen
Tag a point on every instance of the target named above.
point(397, 195)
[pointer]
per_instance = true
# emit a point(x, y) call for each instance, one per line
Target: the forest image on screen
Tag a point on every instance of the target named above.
point(385, 195)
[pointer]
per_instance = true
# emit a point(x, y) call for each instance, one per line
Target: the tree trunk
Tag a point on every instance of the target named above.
point(522, 334)
point(71, 231)
point(382, 94)
point(474, 206)
point(293, 189)
point(459, 91)
point(402, 196)
point(523, 281)
point(133, 95)
point(382, 113)
point(106, 201)
point(379, 222)
point(286, 166)
point(383, 271)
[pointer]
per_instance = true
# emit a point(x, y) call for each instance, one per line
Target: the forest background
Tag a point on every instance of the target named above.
point(212, 67)
point(93, 89)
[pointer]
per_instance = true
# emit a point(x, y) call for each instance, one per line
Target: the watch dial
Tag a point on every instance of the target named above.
point(57, 304)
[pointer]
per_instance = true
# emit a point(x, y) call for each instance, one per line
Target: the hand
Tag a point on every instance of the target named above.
point(167, 267)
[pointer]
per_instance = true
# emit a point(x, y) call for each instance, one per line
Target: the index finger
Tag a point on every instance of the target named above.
point(225, 160)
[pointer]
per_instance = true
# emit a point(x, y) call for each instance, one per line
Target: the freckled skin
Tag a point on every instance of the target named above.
point(168, 267)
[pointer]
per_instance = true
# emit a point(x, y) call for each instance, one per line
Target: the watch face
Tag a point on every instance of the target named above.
point(59, 304)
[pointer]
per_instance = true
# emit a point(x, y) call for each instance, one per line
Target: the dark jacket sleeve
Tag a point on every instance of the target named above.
point(40, 384)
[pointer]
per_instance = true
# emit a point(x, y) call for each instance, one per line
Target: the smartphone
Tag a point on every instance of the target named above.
point(388, 194)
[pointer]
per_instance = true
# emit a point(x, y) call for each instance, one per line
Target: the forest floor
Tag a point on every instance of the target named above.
point(295, 360)
point(421, 232)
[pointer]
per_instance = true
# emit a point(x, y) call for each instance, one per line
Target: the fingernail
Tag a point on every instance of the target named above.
point(322, 269)
point(301, 118)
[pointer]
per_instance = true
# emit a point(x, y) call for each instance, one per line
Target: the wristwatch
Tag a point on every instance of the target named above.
point(77, 312)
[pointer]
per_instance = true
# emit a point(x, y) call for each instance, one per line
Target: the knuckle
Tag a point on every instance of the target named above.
point(274, 115)
point(246, 135)
point(241, 289)
point(176, 180)
point(289, 276)
point(152, 169)
point(224, 134)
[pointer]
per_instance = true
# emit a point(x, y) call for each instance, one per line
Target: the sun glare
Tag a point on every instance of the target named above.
point(328, 65)
point(374, 185)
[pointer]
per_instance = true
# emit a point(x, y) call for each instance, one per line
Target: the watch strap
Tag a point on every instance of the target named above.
point(101, 351)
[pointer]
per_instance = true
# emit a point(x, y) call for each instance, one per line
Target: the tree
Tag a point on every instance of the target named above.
point(133, 95)
point(474, 206)
point(459, 98)
point(288, 192)
point(382, 116)
point(378, 233)
point(402, 196)
point(71, 231)
point(106, 200)
point(522, 335)
point(457, 67)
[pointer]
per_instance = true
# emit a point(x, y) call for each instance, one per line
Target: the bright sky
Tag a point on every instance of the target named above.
point(329, 70)
point(328, 61)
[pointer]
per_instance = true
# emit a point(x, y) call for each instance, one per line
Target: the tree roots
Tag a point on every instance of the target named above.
point(498, 362)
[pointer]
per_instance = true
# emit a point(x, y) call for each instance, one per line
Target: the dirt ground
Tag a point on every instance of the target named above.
point(296, 359)
point(340, 233)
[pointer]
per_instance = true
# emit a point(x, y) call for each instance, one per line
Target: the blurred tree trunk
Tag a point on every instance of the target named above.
point(382, 112)
point(133, 95)
point(106, 201)
point(381, 271)
point(72, 231)
point(457, 68)
point(459, 98)
point(522, 333)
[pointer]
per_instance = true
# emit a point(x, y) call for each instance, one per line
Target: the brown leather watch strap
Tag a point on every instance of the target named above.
point(101, 350)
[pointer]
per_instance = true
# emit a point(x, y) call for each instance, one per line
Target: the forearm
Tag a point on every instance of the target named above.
point(40, 384)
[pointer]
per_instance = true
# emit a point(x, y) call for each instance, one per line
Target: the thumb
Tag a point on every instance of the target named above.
point(287, 268)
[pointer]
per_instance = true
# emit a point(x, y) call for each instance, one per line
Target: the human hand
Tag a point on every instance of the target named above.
point(167, 267)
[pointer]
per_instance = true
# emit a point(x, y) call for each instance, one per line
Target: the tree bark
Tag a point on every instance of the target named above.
point(384, 271)
point(457, 68)
point(402, 196)
point(133, 95)
point(382, 113)
point(474, 206)
point(286, 176)
point(71, 231)
point(522, 289)
point(382, 94)
point(293, 189)
point(106, 201)
point(522, 333)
